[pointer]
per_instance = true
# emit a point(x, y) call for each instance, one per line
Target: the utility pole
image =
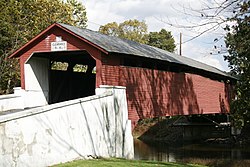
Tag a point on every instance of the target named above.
point(180, 42)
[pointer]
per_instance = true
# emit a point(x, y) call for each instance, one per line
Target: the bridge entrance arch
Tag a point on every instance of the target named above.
point(60, 76)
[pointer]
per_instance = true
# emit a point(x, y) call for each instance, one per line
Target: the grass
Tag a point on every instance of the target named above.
point(114, 162)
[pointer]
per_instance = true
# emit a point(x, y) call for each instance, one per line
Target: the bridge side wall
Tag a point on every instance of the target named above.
point(22, 99)
point(37, 81)
point(153, 93)
point(92, 126)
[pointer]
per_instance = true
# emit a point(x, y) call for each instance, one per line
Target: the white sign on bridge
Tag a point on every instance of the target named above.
point(59, 46)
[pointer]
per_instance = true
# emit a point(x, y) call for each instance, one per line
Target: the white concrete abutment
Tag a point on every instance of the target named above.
point(96, 125)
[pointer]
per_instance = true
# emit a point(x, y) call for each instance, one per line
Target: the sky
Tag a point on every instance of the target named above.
point(160, 14)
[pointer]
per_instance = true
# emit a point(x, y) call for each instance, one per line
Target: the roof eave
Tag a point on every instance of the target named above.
point(223, 75)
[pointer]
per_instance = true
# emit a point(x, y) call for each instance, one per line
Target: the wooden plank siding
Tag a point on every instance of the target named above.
point(153, 93)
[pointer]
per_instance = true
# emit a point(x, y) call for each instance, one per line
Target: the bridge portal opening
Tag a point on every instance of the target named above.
point(64, 75)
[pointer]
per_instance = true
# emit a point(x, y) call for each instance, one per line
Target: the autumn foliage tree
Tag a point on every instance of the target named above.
point(111, 29)
point(21, 20)
point(134, 30)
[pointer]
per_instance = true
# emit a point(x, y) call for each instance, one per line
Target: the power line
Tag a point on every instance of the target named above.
point(94, 23)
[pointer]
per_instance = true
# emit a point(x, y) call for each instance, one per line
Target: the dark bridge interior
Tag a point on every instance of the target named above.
point(71, 75)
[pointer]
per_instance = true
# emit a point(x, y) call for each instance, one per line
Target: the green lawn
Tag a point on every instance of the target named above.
point(114, 162)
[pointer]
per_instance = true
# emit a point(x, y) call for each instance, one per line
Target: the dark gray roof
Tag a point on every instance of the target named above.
point(118, 45)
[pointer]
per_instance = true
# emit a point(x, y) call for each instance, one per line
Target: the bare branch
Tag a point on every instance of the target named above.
point(213, 15)
point(189, 26)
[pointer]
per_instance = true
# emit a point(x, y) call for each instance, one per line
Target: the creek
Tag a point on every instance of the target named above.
point(177, 153)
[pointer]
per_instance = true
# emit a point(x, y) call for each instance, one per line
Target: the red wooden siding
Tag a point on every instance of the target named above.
point(110, 70)
point(43, 44)
point(152, 93)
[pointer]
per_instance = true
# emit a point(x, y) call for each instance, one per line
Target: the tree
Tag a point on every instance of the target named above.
point(237, 42)
point(22, 20)
point(137, 31)
point(111, 29)
point(8, 76)
point(162, 39)
point(78, 13)
point(134, 30)
point(130, 29)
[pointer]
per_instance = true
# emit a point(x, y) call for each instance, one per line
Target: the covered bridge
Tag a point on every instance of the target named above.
point(158, 83)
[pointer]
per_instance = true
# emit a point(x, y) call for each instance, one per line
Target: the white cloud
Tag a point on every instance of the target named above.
point(120, 10)
point(100, 13)
point(105, 11)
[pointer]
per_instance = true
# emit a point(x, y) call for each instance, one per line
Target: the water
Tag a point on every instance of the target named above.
point(170, 153)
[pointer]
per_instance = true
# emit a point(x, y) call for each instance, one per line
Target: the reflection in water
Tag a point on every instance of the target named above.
point(163, 152)
point(146, 152)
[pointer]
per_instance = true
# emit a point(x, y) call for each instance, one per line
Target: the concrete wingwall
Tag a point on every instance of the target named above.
point(96, 125)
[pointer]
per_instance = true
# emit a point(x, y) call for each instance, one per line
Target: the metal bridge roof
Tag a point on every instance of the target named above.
point(124, 46)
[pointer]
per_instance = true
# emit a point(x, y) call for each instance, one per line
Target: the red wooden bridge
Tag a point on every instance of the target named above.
point(158, 83)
